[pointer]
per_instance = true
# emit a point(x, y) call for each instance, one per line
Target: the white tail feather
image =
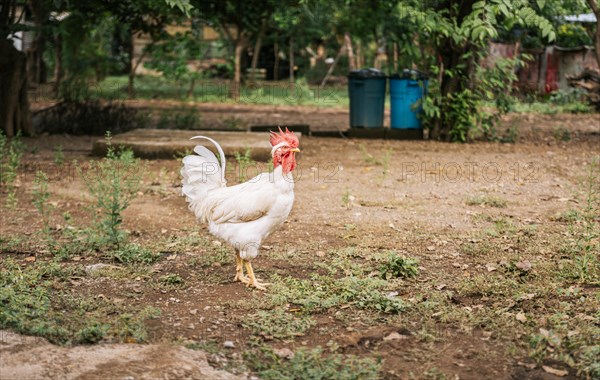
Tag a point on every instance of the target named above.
point(202, 172)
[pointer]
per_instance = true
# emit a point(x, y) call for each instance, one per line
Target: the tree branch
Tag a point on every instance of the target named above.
point(595, 8)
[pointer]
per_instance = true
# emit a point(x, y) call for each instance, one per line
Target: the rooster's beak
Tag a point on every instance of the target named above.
point(295, 150)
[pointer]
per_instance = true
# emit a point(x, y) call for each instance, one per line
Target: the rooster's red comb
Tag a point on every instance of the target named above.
point(288, 137)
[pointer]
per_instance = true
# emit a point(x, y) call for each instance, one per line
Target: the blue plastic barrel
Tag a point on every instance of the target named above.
point(366, 90)
point(407, 89)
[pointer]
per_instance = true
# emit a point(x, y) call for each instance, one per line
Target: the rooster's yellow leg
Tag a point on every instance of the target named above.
point(239, 270)
point(253, 281)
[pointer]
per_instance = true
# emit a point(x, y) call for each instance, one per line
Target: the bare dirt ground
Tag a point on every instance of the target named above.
point(486, 222)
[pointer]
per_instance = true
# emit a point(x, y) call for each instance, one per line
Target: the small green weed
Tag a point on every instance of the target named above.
point(171, 280)
point(134, 253)
point(59, 155)
point(346, 200)
point(244, 161)
point(40, 201)
point(396, 266)
point(113, 182)
point(383, 160)
point(561, 133)
point(486, 200)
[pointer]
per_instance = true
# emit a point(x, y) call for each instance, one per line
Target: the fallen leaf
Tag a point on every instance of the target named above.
point(521, 317)
point(29, 259)
point(490, 267)
point(431, 248)
point(524, 297)
point(440, 286)
point(284, 353)
point(554, 371)
point(395, 336)
point(524, 265)
point(527, 365)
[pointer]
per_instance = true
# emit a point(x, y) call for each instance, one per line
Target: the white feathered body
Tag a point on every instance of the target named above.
point(242, 215)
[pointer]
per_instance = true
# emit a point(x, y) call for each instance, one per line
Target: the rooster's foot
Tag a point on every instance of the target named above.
point(239, 276)
point(254, 282)
point(258, 285)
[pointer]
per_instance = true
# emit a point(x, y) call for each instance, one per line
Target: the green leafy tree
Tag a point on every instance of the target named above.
point(171, 57)
point(456, 37)
point(238, 22)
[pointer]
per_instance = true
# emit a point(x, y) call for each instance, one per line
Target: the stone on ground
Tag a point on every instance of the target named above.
point(25, 357)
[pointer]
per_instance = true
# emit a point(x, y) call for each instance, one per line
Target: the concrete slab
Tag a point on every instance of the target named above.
point(166, 143)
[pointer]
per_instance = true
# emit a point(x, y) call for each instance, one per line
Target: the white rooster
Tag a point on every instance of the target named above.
point(243, 215)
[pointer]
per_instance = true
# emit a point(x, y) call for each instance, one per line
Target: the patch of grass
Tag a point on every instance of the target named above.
point(131, 327)
point(396, 266)
point(134, 253)
point(278, 324)
point(583, 244)
point(569, 343)
point(31, 302)
point(320, 293)
point(486, 200)
point(274, 93)
point(11, 151)
point(311, 364)
point(561, 133)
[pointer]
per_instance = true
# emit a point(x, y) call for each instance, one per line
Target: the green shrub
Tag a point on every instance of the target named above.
point(113, 182)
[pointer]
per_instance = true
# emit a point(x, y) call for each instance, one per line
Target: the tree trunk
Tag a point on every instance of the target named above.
point(35, 61)
point(14, 103)
point(58, 63)
point(359, 55)
point(292, 82)
point(348, 41)
point(276, 64)
point(597, 40)
point(388, 58)
point(256, 52)
point(332, 67)
point(132, 67)
point(596, 9)
point(395, 57)
point(190, 92)
point(237, 74)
